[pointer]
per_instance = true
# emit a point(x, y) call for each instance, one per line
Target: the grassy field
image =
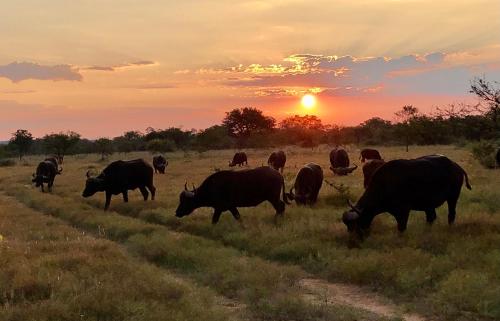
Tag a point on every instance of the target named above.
point(439, 272)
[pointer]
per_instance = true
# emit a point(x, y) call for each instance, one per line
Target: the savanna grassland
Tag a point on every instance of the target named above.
point(63, 256)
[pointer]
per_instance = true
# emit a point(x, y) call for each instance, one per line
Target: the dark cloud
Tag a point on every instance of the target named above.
point(19, 71)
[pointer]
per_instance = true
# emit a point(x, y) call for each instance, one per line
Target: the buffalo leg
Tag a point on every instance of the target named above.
point(452, 212)
point(108, 201)
point(43, 190)
point(279, 206)
point(125, 196)
point(50, 186)
point(235, 213)
point(152, 189)
point(402, 219)
point(430, 215)
point(144, 192)
point(216, 216)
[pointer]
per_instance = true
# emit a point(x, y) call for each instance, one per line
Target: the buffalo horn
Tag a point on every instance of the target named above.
point(353, 207)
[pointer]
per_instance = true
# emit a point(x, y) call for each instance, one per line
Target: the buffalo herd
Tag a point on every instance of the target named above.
point(395, 187)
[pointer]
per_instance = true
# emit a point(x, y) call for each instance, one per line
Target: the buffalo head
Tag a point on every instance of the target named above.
point(187, 202)
point(301, 195)
point(93, 185)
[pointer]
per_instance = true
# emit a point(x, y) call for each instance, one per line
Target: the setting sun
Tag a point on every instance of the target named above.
point(308, 101)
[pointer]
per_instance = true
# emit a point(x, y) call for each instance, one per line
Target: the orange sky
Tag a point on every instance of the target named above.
point(103, 67)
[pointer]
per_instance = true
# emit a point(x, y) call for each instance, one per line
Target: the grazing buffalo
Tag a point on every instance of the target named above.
point(228, 190)
point(277, 160)
point(369, 169)
point(339, 161)
point(54, 161)
point(239, 159)
point(46, 172)
point(339, 158)
point(160, 164)
point(307, 185)
point(119, 177)
point(369, 154)
point(402, 185)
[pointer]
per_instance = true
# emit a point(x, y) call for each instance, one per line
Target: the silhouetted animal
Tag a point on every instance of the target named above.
point(369, 169)
point(228, 190)
point(239, 159)
point(339, 161)
point(368, 154)
point(402, 185)
point(46, 172)
point(119, 177)
point(307, 185)
point(160, 164)
point(277, 160)
point(55, 162)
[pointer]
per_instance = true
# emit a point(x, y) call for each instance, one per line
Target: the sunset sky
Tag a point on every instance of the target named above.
point(102, 67)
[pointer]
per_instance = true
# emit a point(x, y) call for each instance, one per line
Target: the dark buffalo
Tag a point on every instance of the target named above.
point(228, 190)
point(46, 172)
point(402, 185)
point(369, 169)
point(277, 160)
point(339, 158)
point(54, 161)
point(369, 154)
point(339, 161)
point(307, 185)
point(160, 164)
point(239, 159)
point(120, 177)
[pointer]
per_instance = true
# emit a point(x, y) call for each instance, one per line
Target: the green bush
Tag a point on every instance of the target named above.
point(484, 152)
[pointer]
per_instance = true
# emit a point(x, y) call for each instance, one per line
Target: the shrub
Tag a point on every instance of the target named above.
point(484, 152)
point(7, 162)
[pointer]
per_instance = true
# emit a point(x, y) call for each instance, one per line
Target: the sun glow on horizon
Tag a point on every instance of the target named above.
point(308, 101)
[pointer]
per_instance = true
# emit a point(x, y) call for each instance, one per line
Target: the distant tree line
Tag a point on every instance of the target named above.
point(249, 127)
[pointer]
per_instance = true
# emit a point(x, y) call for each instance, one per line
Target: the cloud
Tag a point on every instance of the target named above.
point(433, 73)
point(140, 63)
point(19, 71)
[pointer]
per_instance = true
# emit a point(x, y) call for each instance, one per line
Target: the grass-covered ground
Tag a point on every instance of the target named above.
point(442, 272)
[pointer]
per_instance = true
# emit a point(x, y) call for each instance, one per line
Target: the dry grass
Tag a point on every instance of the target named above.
point(446, 272)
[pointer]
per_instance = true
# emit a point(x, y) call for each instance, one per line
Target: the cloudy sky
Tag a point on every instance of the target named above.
point(101, 67)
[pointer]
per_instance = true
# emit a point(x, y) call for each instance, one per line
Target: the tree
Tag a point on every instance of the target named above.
point(243, 122)
point(21, 141)
point(489, 94)
point(305, 130)
point(129, 141)
point(160, 145)
point(405, 116)
point(60, 143)
point(214, 137)
point(104, 146)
